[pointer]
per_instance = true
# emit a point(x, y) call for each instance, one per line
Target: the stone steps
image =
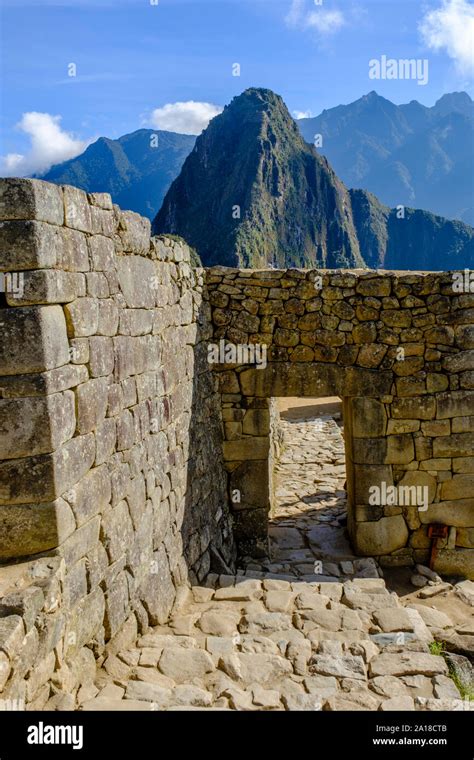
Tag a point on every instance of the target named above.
point(243, 643)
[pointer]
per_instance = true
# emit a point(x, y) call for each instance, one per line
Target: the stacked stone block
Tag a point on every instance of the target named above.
point(110, 429)
point(398, 348)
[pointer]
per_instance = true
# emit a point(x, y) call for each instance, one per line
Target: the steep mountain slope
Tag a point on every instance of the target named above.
point(416, 240)
point(408, 154)
point(252, 192)
point(136, 169)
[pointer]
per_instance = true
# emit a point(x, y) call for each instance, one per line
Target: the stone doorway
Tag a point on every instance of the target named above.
point(307, 518)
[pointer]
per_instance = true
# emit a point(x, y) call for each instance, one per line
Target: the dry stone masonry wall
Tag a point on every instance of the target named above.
point(129, 463)
point(399, 349)
point(112, 492)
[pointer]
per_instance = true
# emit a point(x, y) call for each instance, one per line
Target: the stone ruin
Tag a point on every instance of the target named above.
point(121, 445)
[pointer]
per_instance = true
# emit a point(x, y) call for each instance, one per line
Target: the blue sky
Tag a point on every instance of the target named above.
point(134, 58)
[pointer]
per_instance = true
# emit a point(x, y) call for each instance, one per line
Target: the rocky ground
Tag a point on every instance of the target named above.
point(312, 627)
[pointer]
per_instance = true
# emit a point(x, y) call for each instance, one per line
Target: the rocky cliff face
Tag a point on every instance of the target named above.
point(252, 193)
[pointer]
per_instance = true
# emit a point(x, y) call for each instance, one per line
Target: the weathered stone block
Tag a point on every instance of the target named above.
point(400, 449)
point(246, 448)
point(457, 445)
point(101, 356)
point(459, 513)
point(458, 487)
point(381, 537)
point(32, 528)
point(91, 400)
point(459, 362)
point(117, 531)
point(42, 478)
point(137, 278)
point(458, 562)
point(31, 199)
point(369, 419)
point(90, 495)
point(414, 408)
point(77, 209)
point(82, 317)
point(46, 286)
point(32, 339)
point(455, 404)
point(31, 426)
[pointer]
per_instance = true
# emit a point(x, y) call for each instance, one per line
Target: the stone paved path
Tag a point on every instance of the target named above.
point(307, 529)
point(285, 634)
point(253, 644)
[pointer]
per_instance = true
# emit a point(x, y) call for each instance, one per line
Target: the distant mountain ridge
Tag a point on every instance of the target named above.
point(409, 155)
point(136, 169)
point(253, 193)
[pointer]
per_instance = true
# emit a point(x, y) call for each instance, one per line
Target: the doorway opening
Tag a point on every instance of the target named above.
point(307, 528)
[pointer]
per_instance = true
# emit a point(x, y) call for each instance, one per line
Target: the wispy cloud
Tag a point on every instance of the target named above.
point(450, 27)
point(324, 21)
point(188, 118)
point(302, 114)
point(49, 144)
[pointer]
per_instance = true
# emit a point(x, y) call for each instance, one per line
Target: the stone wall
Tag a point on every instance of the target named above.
point(120, 443)
point(112, 492)
point(399, 349)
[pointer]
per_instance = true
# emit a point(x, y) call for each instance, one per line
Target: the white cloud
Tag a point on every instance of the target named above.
point(451, 28)
point(302, 114)
point(49, 144)
point(324, 22)
point(187, 118)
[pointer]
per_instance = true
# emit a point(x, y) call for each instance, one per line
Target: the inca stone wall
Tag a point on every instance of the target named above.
point(130, 460)
point(398, 348)
point(112, 492)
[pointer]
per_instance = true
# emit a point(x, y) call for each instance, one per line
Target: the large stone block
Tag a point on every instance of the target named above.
point(246, 448)
point(458, 487)
point(158, 592)
point(92, 400)
point(250, 486)
point(134, 231)
point(455, 404)
point(30, 245)
point(77, 209)
point(81, 543)
point(43, 478)
point(82, 317)
point(43, 383)
point(414, 408)
point(369, 419)
point(457, 445)
point(117, 531)
point(32, 339)
point(84, 622)
point(459, 513)
point(381, 536)
point(458, 562)
point(31, 199)
point(31, 426)
point(459, 362)
point(137, 278)
point(90, 495)
point(47, 286)
point(367, 476)
point(32, 528)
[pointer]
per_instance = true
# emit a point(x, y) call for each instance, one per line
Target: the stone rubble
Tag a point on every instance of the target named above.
point(245, 643)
